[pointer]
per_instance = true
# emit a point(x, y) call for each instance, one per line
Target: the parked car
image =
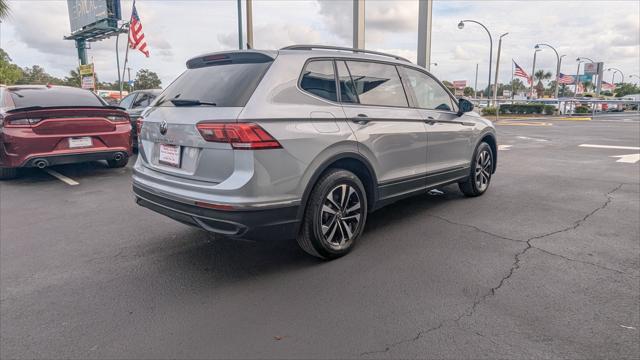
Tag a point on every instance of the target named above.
point(50, 125)
point(134, 104)
point(303, 143)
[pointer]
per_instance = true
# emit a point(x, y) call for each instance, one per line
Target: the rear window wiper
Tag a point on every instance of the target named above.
point(190, 102)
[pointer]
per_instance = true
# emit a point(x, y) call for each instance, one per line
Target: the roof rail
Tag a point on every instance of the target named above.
point(328, 47)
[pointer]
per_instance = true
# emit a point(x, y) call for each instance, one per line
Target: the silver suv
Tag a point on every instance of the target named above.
point(303, 143)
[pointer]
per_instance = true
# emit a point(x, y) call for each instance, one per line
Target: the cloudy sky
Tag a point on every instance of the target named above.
point(607, 31)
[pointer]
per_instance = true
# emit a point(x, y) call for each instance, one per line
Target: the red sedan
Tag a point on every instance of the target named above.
point(50, 125)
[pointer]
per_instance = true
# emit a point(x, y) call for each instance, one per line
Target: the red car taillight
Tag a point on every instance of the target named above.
point(9, 122)
point(118, 119)
point(241, 136)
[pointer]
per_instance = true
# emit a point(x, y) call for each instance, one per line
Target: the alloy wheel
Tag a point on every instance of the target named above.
point(483, 170)
point(340, 216)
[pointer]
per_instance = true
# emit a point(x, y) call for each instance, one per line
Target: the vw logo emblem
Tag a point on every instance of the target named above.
point(163, 127)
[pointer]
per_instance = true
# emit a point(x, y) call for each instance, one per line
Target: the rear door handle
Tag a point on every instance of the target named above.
point(430, 120)
point(361, 119)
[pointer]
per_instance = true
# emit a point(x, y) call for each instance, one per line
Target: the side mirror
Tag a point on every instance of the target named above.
point(464, 105)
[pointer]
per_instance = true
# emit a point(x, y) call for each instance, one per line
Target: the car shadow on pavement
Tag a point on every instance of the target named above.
point(223, 260)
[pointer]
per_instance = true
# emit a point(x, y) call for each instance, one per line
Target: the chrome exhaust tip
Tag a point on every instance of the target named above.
point(118, 157)
point(41, 163)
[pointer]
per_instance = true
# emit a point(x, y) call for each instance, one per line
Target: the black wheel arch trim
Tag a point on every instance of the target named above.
point(325, 166)
point(481, 138)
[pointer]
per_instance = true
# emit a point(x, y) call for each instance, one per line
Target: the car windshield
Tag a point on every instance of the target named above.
point(227, 85)
point(53, 96)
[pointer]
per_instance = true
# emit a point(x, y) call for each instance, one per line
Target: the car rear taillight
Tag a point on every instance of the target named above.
point(241, 136)
point(117, 119)
point(9, 122)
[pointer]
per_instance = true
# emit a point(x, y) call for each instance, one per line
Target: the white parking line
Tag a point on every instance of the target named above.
point(532, 139)
point(609, 147)
point(64, 179)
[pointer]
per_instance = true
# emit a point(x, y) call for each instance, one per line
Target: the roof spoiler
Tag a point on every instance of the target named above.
point(34, 108)
point(229, 57)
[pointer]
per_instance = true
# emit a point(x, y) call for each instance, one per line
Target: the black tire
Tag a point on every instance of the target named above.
point(479, 167)
point(8, 173)
point(311, 237)
point(118, 163)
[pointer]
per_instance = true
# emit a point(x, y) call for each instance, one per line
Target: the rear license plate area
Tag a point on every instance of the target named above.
point(80, 142)
point(170, 155)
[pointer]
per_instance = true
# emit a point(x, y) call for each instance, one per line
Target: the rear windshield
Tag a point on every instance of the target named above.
point(226, 85)
point(54, 96)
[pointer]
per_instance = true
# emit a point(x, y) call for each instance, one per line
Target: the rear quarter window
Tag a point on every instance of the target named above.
point(226, 85)
point(318, 78)
point(54, 96)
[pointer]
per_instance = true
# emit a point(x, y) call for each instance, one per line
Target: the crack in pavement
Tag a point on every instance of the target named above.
point(420, 334)
point(515, 266)
point(475, 228)
point(579, 261)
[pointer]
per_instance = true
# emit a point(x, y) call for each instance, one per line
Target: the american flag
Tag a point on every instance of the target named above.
point(521, 73)
point(608, 86)
point(565, 79)
point(136, 35)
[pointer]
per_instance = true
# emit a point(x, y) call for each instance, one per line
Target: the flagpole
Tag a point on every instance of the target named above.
point(126, 54)
point(512, 69)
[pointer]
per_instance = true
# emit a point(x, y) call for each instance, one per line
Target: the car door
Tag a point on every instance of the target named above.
point(389, 132)
point(448, 135)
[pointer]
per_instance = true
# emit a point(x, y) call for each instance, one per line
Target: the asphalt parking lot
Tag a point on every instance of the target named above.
point(545, 265)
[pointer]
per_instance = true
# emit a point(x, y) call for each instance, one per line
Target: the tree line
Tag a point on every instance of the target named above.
point(12, 74)
point(517, 86)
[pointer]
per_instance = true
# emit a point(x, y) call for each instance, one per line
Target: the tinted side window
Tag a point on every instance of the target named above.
point(429, 94)
point(318, 78)
point(143, 100)
point(347, 89)
point(377, 84)
point(126, 102)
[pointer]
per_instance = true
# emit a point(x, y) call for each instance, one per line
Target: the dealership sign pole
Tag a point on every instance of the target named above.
point(90, 21)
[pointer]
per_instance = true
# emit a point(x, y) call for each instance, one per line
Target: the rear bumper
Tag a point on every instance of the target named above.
point(263, 224)
point(20, 146)
point(59, 159)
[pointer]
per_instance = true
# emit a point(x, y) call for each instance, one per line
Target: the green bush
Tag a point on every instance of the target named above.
point(488, 111)
point(582, 109)
point(527, 109)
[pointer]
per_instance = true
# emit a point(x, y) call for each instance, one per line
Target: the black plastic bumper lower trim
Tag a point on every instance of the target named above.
point(74, 158)
point(267, 224)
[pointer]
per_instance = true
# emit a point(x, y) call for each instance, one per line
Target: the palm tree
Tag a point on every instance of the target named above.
point(588, 85)
point(542, 75)
point(4, 9)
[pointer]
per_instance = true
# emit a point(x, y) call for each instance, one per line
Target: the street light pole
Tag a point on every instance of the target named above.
point(475, 85)
point(559, 68)
point(495, 83)
point(533, 72)
point(557, 64)
point(461, 26)
point(614, 74)
point(240, 24)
